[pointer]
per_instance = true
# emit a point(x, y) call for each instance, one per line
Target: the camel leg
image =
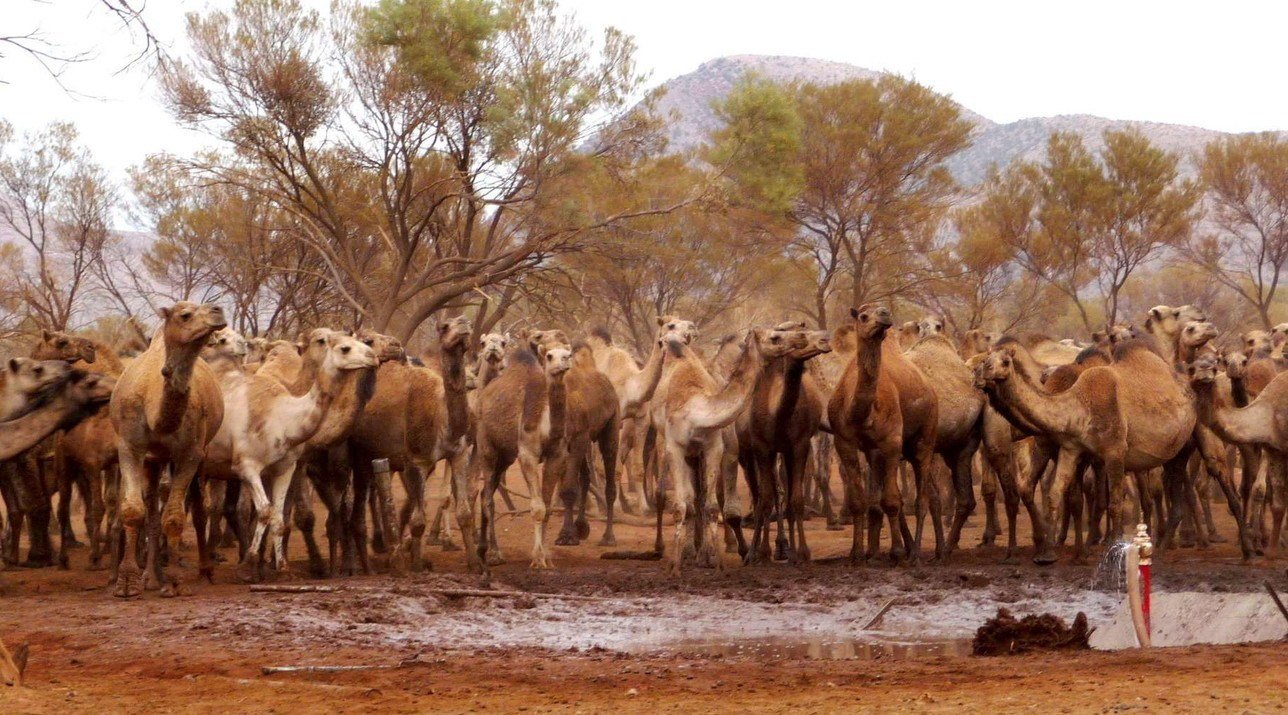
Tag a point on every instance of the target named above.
point(779, 472)
point(172, 515)
point(758, 550)
point(34, 501)
point(94, 510)
point(730, 502)
point(1204, 489)
point(13, 530)
point(682, 473)
point(1278, 483)
point(572, 484)
point(67, 477)
point(132, 514)
point(301, 507)
point(414, 483)
point(885, 466)
point(1212, 450)
point(280, 480)
point(533, 477)
point(709, 518)
point(252, 479)
point(794, 460)
point(1194, 516)
point(766, 502)
point(1249, 458)
point(988, 488)
point(608, 444)
point(925, 469)
point(964, 487)
point(1066, 468)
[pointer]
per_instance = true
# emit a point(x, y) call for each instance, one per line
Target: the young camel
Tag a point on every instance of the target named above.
point(781, 419)
point(883, 406)
point(592, 417)
point(695, 411)
point(166, 408)
point(522, 417)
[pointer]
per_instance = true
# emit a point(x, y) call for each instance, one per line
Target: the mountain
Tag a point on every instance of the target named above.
point(691, 96)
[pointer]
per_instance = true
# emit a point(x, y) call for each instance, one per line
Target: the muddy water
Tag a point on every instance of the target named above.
point(820, 648)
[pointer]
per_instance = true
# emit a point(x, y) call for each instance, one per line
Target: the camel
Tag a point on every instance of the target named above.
point(694, 411)
point(1048, 351)
point(268, 428)
point(491, 358)
point(416, 418)
point(635, 386)
point(781, 419)
point(1130, 416)
point(883, 406)
point(1263, 422)
point(908, 333)
point(23, 379)
point(166, 408)
point(957, 435)
point(522, 417)
point(85, 454)
point(592, 416)
point(60, 404)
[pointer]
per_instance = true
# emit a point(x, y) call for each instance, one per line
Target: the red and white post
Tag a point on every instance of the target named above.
point(1140, 558)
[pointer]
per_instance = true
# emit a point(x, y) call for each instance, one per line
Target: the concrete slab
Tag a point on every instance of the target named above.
point(1188, 618)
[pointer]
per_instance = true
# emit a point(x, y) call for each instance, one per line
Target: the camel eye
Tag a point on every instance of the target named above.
point(346, 349)
point(38, 370)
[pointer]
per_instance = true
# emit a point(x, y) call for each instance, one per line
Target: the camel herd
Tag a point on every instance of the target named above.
point(243, 435)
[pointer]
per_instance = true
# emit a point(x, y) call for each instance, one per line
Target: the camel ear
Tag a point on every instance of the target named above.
point(45, 335)
point(854, 313)
point(163, 312)
point(299, 348)
point(660, 322)
point(14, 365)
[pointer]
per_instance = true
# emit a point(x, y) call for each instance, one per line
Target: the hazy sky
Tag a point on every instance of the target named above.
point(1215, 65)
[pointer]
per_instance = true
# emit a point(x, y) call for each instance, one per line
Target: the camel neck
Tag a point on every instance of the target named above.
point(641, 385)
point(1239, 391)
point(792, 372)
point(180, 359)
point(1036, 409)
point(306, 377)
point(1247, 425)
point(557, 403)
point(867, 361)
point(454, 393)
point(19, 435)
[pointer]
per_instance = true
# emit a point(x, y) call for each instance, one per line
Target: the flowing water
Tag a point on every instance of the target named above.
point(820, 648)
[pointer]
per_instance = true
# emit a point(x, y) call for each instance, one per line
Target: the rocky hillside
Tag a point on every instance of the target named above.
point(690, 97)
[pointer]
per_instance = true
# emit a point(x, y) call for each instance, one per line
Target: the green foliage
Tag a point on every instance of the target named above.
point(439, 42)
point(759, 144)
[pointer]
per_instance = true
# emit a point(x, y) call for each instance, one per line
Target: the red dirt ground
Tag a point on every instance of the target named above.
point(202, 652)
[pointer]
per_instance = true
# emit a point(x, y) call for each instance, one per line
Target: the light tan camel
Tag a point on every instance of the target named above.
point(269, 428)
point(1263, 423)
point(883, 406)
point(166, 408)
point(695, 410)
point(522, 417)
point(635, 387)
point(975, 342)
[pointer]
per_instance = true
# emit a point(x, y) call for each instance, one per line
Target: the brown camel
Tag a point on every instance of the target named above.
point(1263, 422)
point(957, 435)
point(695, 410)
point(781, 419)
point(522, 417)
point(83, 456)
point(975, 342)
point(592, 417)
point(166, 408)
point(1133, 415)
point(58, 405)
point(883, 406)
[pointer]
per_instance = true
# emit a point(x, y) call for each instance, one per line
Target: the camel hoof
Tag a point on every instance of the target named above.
point(566, 539)
point(781, 551)
point(317, 569)
point(248, 571)
point(835, 526)
point(128, 583)
point(449, 545)
point(37, 562)
point(207, 573)
point(171, 587)
point(1218, 539)
point(608, 540)
point(494, 558)
point(1044, 558)
point(583, 529)
point(150, 581)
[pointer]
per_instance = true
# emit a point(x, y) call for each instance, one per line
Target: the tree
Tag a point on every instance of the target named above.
point(1246, 178)
point(1095, 220)
point(426, 149)
point(872, 184)
point(56, 207)
point(53, 58)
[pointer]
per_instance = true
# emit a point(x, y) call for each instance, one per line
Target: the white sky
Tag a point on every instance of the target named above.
point(1215, 65)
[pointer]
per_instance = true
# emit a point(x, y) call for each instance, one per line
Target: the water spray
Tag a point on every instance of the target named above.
point(1140, 556)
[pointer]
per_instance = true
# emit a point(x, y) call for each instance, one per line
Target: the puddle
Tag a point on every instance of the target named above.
point(789, 648)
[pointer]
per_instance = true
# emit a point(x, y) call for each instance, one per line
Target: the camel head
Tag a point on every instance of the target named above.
point(386, 347)
point(225, 343)
point(997, 367)
point(1257, 342)
point(256, 349)
point(977, 341)
point(871, 321)
point(538, 341)
point(1166, 319)
point(817, 342)
point(908, 332)
point(670, 326)
point(1279, 334)
point(345, 352)
point(55, 345)
point(278, 347)
point(89, 389)
point(28, 377)
point(556, 359)
point(1203, 370)
point(774, 343)
point(188, 323)
point(454, 334)
point(930, 325)
point(1236, 364)
point(315, 344)
point(1196, 334)
point(492, 347)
